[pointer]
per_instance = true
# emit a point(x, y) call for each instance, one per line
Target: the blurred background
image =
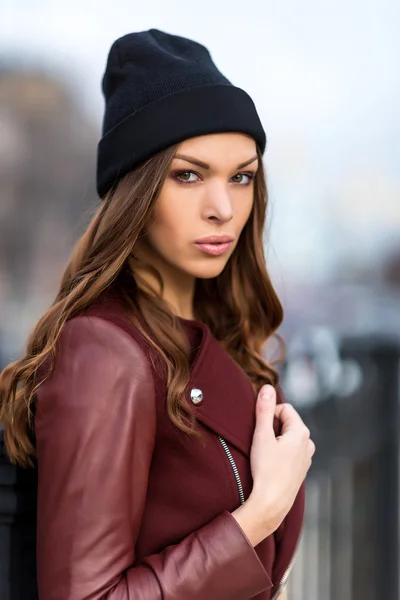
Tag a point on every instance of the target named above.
point(325, 79)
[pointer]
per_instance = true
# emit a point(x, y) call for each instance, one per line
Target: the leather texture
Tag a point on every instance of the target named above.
point(128, 506)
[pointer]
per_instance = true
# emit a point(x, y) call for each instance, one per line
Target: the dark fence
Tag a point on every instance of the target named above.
point(350, 544)
point(17, 530)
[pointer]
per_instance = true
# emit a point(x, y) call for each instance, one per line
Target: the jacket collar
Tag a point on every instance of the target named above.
point(228, 405)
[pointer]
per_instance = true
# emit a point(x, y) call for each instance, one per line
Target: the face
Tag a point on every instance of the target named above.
point(204, 204)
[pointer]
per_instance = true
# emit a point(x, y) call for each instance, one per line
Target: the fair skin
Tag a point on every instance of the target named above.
point(214, 197)
point(196, 201)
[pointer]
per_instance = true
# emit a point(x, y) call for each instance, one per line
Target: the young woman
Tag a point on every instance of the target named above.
point(168, 466)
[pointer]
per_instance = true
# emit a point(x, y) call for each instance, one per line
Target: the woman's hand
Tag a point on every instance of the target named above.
point(279, 466)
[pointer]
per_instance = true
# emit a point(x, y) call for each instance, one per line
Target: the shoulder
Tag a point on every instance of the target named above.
point(95, 357)
point(98, 395)
point(96, 337)
point(99, 334)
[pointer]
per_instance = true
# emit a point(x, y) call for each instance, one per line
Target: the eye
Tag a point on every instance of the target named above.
point(242, 180)
point(185, 176)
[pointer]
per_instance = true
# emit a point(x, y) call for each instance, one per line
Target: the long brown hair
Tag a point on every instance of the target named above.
point(249, 310)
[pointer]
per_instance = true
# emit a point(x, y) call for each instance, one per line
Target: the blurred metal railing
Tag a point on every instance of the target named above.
point(17, 530)
point(350, 544)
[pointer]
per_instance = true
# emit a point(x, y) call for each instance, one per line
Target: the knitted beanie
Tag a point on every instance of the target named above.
point(159, 90)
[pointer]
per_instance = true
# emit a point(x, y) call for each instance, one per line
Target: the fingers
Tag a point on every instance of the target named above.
point(265, 411)
point(311, 447)
point(266, 401)
point(290, 419)
point(292, 422)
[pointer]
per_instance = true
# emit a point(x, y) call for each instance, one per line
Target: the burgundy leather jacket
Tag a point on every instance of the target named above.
point(129, 507)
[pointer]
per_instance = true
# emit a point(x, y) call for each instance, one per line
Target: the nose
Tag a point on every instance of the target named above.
point(218, 203)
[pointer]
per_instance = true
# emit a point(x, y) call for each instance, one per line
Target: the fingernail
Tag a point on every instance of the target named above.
point(268, 392)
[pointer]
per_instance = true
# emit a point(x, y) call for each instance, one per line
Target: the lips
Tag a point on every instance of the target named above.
point(214, 245)
point(215, 239)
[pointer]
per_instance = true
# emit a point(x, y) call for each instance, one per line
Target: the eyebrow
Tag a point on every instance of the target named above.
point(204, 165)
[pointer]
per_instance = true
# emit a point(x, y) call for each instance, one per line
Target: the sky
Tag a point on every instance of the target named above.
point(324, 77)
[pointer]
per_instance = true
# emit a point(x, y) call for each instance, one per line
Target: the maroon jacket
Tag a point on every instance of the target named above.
point(131, 508)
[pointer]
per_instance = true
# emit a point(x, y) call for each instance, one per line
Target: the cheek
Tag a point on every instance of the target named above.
point(243, 211)
point(171, 223)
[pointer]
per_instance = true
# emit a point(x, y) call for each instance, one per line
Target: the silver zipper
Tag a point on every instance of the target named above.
point(234, 468)
point(285, 577)
point(241, 496)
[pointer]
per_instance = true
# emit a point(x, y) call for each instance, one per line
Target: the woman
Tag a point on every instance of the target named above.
point(143, 393)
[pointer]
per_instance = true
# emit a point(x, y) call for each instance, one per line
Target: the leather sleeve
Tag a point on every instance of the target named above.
point(95, 430)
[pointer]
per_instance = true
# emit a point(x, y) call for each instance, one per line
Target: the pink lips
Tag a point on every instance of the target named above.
point(214, 244)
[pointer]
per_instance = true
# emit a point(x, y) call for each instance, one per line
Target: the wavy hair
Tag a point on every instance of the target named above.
point(249, 310)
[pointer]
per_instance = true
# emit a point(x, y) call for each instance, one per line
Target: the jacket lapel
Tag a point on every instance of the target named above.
point(228, 404)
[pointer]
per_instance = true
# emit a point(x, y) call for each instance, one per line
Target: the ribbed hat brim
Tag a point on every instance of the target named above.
point(179, 116)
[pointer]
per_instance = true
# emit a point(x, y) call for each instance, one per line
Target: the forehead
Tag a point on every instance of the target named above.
point(219, 148)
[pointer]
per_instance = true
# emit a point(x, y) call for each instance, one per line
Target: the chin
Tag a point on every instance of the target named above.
point(210, 270)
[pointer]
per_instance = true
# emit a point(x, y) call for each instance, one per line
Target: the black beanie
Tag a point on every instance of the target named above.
point(159, 90)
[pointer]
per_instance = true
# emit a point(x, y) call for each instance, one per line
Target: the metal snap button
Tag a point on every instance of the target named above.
point(196, 395)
